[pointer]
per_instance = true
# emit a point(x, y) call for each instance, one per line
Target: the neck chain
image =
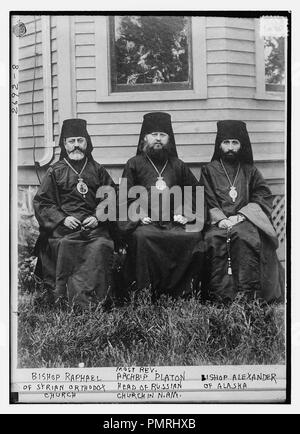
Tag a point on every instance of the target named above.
point(160, 183)
point(232, 193)
point(81, 186)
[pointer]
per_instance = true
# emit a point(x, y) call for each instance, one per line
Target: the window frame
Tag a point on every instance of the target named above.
point(150, 87)
point(261, 91)
point(104, 92)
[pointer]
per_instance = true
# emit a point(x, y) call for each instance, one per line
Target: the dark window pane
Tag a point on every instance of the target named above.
point(150, 51)
point(274, 63)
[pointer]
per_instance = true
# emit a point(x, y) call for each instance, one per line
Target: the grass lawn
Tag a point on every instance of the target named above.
point(143, 332)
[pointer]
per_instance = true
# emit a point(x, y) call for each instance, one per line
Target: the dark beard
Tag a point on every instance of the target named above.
point(158, 155)
point(230, 157)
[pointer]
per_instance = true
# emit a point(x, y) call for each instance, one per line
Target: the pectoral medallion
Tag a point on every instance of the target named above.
point(160, 183)
point(233, 193)
point(82, 187)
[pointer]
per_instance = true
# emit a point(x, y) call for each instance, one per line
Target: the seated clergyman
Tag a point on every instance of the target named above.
point(241, 241)
point(74, 249)
point(160, 248)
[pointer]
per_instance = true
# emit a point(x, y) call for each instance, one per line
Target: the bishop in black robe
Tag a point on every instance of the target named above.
point(240, 257)
point(74, 262)
point(162, 253)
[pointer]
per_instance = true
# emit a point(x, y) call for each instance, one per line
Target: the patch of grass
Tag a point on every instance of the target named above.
point(142, 333)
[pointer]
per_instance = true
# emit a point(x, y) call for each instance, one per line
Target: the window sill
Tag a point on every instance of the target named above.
point(151, 96)
point(275, 96)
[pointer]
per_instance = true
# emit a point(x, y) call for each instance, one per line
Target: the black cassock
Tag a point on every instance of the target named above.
point(74, 262)
point(253, 243)
point(163, 254)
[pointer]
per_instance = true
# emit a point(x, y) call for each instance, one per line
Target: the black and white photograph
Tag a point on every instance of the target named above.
point(149, 195)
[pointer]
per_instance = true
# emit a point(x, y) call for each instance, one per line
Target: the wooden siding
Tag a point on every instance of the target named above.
point(30, 94)
point(37, 87)
point(54, 67)
point(115, 126)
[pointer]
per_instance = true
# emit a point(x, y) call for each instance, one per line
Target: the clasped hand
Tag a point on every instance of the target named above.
point(72, 222)
point(180, 219)
point(177, 218)
point(230, 221)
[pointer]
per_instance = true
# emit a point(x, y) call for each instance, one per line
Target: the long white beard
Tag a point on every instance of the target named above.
point(76, 155)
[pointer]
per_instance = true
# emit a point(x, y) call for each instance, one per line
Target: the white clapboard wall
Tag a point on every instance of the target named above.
point(31, 107)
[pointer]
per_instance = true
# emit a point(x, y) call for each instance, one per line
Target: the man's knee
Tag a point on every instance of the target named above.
point(214, 234)
point(141, 233)
point(137, 239)
point(244, 231)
